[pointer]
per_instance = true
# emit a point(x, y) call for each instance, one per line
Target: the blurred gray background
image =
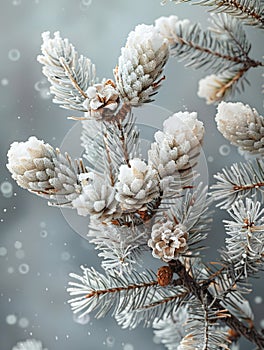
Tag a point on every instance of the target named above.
point(38, 246)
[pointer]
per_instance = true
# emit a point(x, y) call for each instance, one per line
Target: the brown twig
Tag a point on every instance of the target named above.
point(69, 73)
point(249, 11)
point(109, 160)
point(235, 78)
point(97, 293)
point(247, 187)
point(200, 292)
point(245, 60)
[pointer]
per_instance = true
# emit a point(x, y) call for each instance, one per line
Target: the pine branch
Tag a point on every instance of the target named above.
point(93, 144)
point(200, 291)
point(95, 291)
point(227, 27)
point(203, 49)
point(232, 79)
point(245, 242)
point(249, 12)
point(229, 288)
point(225, 46)
point(133, 297)
point(165, 302)
point(202, 328)
point(171, 329)
point(120, 247)
point(241, 180)
point(122, 140)
point(70, 75)
point(110, 143)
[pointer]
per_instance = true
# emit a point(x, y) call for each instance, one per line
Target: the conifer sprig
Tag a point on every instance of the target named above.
point(70, 75)
point(249, 12)
point(239, 181)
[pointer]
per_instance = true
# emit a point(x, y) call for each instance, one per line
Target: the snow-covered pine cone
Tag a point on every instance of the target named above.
point(137, 185)
point(242, 126)
point(40, 168)
point(140, 65)
point(178, 145)
point(102, 100)
point(168, 240)
point(97, 198)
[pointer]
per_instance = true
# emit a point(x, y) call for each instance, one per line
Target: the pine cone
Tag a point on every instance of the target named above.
point(97, 199)
point(168, 240)
point(103, 99)
point(36, 166)
point(140, 65)
point(242, 126)
point(137, 185)
point(177, 147)
point(164, 275)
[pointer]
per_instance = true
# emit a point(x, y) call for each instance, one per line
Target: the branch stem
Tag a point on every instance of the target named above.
point(201, 291)
point(97, 293)
point(70, 75)
point(245, 60)
point(109, 160)
point(244, 9)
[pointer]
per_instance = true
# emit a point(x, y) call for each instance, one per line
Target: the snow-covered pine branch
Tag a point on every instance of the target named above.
point(242, 125)
point(129, 293)
point(93, 144)
point(245, 241)
point(121, 142)
point(171, 329)
point(203, 328)
point(239, 181)
point(217, 87)
point(70, 75)
point(110, 143)
point(137, 75)
point(121, 247)
point(223, 49)
point(249, 12)
point(134, 204)
point(204, 48)
point(229, 289)
point(229, 28)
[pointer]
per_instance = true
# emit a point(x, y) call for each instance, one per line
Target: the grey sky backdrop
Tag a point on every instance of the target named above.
point(38, 247)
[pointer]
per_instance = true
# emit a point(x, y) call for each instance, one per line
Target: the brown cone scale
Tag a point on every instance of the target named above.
point(164, 276)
